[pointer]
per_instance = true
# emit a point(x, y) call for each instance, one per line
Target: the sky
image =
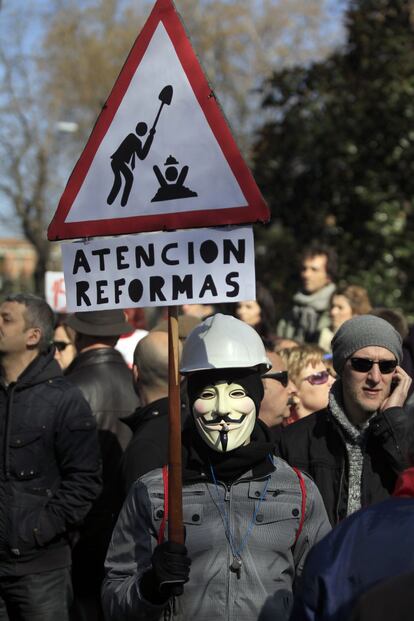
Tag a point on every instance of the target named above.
point(36, 12)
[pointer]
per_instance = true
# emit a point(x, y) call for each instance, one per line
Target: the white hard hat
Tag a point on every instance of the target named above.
point(223, 342)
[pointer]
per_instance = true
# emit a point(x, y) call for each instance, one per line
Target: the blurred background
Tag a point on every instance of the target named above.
point(319, 94)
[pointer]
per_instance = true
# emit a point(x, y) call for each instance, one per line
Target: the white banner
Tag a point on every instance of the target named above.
point(196, 266)
point(55, 291)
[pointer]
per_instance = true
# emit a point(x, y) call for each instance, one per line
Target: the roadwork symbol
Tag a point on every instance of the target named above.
point(123, 159)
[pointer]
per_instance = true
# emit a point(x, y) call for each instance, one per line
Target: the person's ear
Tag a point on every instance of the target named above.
point(135, 373)
point(33, 337)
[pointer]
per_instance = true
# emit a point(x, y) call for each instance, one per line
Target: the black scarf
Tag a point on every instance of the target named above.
point(228, 467)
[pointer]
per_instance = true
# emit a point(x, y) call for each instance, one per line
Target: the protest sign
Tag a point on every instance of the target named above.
point(158, 269)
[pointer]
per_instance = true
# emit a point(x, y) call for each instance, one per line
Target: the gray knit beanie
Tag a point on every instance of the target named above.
point(364, 331)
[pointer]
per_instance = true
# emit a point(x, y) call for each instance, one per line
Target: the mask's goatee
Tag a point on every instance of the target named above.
point(224, 437)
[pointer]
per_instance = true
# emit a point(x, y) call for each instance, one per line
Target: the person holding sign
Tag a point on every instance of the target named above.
point(249, 518)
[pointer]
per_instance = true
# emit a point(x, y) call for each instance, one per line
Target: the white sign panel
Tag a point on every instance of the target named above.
point(192, 266)
point(55, 291)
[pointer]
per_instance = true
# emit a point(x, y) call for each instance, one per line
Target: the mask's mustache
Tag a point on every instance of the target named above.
point(218, 420)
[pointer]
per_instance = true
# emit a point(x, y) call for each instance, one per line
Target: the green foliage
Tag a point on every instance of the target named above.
point(335, 158)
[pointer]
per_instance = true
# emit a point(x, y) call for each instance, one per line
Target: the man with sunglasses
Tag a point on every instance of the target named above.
point(353, 448)
point(277, 390)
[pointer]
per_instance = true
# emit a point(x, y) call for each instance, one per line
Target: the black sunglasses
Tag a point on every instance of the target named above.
point(61, 345)
point(363, 365)
point(282, 377)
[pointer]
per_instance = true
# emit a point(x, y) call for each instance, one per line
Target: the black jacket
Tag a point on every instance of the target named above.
point(408, 357)
point(106, 383)
point(50, 470)
point(315, 445)
point(148, 448)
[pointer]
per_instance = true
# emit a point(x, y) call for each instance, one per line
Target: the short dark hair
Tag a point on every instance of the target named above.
point(38, 314)
point(265, 300)
point(317, 248)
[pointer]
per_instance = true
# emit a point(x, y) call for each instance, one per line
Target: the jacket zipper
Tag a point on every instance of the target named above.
point(227, 492)
point(10, 394)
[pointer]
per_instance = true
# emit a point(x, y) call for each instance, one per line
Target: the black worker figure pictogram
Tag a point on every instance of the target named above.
point(123, 159)
point(171, 182)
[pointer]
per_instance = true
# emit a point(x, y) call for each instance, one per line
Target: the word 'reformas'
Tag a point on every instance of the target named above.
point(155, 269)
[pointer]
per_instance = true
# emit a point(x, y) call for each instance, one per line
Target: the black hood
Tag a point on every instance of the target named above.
point(43, 368)
point(146, 412)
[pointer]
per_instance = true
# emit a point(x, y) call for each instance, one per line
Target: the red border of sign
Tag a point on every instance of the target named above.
point(164, 11)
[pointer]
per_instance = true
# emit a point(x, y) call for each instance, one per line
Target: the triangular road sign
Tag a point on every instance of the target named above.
point(161, 155)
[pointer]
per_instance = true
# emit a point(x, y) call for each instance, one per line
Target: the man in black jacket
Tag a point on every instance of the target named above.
point(148, 448)
point(353, 449)
point(49, 465)
point(105, 380)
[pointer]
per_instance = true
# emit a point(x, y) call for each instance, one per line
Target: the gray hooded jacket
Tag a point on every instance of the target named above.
point(271, 558)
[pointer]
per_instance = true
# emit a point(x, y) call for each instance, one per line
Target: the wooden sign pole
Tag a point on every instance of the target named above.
point(175, 504)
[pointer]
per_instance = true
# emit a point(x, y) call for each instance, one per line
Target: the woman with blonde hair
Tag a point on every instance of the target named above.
point(311, 379)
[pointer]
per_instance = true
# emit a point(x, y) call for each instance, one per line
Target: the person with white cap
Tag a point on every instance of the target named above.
point(353, 448)
point(249, 518)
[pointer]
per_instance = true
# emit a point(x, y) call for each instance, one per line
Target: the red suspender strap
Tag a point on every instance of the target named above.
point(165, 516)
point(303, 504)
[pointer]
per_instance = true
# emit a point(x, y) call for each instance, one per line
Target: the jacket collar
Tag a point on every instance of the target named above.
point(95, 356)
point(146, 412)
point(43, 368)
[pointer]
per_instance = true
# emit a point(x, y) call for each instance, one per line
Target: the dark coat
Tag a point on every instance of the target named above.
point(368, 547)
point(389, 600)
point(148, 448)
point(50, 470)
point(408, 357)
point(315, 445)
point(106, 383)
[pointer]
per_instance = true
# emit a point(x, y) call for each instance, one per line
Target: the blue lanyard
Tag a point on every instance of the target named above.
point(225, 517)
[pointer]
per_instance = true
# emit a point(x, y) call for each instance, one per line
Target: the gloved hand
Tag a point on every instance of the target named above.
point(171, 564)
point(170, 570)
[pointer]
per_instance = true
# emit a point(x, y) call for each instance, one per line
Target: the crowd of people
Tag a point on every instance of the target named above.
point(297, 460)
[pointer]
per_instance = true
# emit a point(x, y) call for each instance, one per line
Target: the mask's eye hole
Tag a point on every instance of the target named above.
point(207, 393)
point(237, 393)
